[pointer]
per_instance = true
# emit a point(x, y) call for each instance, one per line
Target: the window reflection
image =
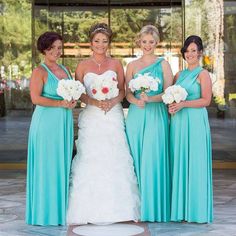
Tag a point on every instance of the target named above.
point(214, 21)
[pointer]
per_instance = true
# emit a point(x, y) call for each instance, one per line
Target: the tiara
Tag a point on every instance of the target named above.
point(99, 28)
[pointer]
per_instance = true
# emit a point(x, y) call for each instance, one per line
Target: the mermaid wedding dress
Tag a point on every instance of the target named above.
point(103, 183)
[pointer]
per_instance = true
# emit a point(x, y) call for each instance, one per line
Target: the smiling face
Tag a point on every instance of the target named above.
point(55, 51)
point(148, 44)
point(192, 54)
point(100, 43)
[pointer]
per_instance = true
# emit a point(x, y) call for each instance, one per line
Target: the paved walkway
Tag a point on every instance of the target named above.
point(12, 211)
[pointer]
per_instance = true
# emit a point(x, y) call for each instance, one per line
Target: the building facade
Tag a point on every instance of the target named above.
point(23, 21)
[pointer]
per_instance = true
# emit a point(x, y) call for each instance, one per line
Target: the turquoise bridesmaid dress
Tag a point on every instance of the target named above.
point(148, 136)
point(50, 146)
point(191, 159)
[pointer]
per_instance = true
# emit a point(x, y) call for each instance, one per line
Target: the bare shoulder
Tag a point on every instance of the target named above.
point(116, 62)
point(39, 71)
point(82, 65)
point(204, 78)
point(204, 73)
point(84, 62)
point(133, 64)
point(165, 63)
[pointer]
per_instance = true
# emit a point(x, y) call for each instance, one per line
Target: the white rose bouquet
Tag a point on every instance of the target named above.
point(106, 88)
point(70, 89)
point(174, 93)
point(144, 83)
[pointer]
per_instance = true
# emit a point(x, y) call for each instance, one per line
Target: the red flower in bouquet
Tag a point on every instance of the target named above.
point(94, 91)
point(105, 90)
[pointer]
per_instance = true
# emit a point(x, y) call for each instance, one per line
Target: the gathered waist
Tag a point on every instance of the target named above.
point(54, 97)
point(115, 108)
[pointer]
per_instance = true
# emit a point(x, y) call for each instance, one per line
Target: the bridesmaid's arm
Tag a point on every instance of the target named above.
point(129, 95)
point(206, 93)
point(176, 77)
point(168, 81)
point(37, 81)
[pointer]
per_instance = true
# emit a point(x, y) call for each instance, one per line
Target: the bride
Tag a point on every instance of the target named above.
point(103, 183)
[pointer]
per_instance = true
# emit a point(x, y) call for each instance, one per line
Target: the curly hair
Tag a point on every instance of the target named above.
point(46, 40)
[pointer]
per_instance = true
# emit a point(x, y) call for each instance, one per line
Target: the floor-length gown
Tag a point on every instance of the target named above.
point(191, 159)
point(148, 132)
point(50, 146)
point(103, 183)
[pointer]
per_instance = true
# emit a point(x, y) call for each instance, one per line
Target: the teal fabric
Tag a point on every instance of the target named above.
point(191, 158)
point(50, 146)
point(147, 133)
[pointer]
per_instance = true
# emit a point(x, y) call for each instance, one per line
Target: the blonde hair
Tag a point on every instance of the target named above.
point(100, 28)
point(148, 29)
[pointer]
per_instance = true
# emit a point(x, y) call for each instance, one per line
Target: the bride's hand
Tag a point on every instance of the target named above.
point(103, 105)
point(107, 105)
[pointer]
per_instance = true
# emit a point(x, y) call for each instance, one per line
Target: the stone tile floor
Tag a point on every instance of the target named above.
point(12, 210)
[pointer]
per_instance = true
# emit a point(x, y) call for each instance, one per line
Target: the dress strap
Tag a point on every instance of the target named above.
point(154, 64)
point(45, 67)
point(159, 60)
point(60, 65)
point(190, 76)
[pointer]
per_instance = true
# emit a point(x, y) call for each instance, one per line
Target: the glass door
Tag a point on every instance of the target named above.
point(126, 18)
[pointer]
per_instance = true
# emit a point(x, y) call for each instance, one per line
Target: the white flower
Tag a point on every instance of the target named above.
point(168, 98)
point(70, 89)
point(144, 83)
point(174, 93)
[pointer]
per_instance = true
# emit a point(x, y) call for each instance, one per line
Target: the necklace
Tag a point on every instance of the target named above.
point(98, 64)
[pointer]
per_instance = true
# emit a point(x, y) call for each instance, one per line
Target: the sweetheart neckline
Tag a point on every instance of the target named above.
point(99, 74)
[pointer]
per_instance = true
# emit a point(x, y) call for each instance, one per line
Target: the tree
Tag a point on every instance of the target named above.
point(15, 39)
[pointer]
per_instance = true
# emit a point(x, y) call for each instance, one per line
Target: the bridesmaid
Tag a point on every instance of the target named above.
point(50, 139)
point(191, 162)
point(147, 130)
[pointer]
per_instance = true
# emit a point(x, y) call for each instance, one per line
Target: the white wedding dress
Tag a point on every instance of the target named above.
point(103, 185)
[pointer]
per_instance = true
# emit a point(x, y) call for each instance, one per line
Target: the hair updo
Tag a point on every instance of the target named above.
point(100, 28)
point(46, 40)
point(148, 29)
point(192, 39)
